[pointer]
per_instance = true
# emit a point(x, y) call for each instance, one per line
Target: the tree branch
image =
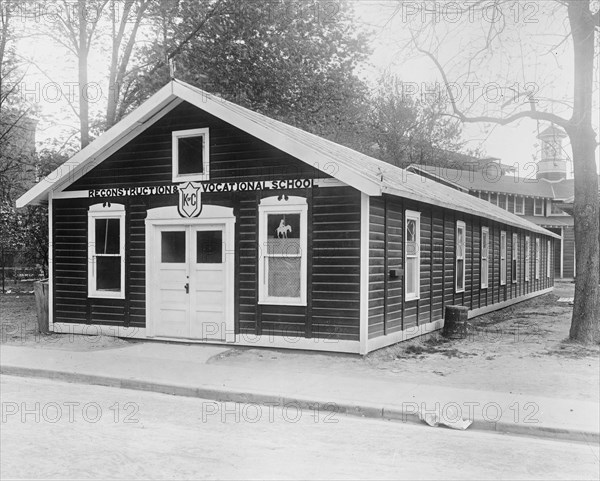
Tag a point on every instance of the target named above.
point(531, 114)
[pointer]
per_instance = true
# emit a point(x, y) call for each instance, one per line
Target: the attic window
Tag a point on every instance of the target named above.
point(190, 155)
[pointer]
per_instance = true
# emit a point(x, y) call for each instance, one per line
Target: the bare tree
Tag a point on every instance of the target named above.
point(582, 21)
point(123, 42)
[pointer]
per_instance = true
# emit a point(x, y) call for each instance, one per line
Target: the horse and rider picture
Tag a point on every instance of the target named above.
point(283, 226)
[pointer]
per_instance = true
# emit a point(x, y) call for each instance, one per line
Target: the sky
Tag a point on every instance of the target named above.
point(525, 60)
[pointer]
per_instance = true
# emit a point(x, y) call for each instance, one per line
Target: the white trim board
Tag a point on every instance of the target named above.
point(399, 336)
point(364, 272)
point(248, 340)
point(501, 305)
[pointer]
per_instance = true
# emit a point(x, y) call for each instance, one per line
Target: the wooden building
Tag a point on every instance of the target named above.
point(196, 219)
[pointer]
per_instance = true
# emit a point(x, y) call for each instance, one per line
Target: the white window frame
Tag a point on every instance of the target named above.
point(515, 258)
point(414, 215)
point(505, 203)
point(459, 254)
point(485, 258)
point(178, 134)
point(273, 205)
point(510, 203)
point(502, 257)
point(538, 255)
point(522, 210)
point(527, 258)
point(548, 257)
point(535, 205)
point(105, 211)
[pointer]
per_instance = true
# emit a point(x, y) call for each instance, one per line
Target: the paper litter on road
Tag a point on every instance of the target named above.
point(450, 417)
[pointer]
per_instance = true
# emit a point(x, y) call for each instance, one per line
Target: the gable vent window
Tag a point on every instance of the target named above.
point(190, 155)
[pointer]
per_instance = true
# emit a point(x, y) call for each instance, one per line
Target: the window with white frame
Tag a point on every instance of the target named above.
point(538, 257)
point(503, 201)
point(502, 258)
point(190, 151)
point(519, 205)
point(527, 258)
point(460, 248)
point(106, 251)
point(510, 202)
point(412, 254)
point(515, 257)
point(538, 207)
point(494, 198)
point(485, 256)
point(282, 241)
point(548, 257)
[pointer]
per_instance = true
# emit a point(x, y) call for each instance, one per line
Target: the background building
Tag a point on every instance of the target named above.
point(542, 195)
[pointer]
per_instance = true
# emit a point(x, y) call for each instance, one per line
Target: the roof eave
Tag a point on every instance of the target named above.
point(67, 173)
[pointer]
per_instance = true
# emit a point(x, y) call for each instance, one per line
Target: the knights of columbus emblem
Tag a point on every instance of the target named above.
point(190, 202)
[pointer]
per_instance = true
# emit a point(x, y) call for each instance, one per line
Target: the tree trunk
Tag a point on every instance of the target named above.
point(585, 324)
point(83, 77)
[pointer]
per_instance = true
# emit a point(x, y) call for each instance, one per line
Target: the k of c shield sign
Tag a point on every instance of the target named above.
point(190, 200)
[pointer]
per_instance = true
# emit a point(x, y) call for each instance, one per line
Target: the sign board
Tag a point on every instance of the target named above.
point(190, 194)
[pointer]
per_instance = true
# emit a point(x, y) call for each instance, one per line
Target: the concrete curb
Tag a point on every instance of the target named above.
point(348, 407)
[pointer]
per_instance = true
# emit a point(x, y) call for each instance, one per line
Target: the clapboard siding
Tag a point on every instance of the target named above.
point(376, 266)
point(335, 263)
point(234, 155)
point(438, 265)
point(395, 252)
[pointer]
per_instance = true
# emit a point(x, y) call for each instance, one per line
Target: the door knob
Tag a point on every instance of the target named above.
point(187, 288)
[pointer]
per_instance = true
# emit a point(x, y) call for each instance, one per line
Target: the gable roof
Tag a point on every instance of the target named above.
point(367, 174)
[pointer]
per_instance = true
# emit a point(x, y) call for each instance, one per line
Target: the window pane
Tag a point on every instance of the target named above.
point(411, 274)
point(108, 273)
point(172, 246)
point(190, 154)
point(209, 247)
point(283, 226)
point(107, 236)
point(284, 277)
point(411, 230)
point(460, 273)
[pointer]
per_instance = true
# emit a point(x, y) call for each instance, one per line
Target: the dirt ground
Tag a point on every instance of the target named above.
point(20, 326)
point(522, 349)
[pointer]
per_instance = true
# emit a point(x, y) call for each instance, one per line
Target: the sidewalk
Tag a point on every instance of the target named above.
point(189, 370)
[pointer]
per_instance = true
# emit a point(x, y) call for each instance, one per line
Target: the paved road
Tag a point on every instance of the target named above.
point(59, 430)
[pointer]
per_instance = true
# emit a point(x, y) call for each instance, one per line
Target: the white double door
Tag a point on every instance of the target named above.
point(190, 282)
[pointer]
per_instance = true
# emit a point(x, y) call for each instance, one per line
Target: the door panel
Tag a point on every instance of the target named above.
point(192, 256)
point(172, 317)
point(208, 284)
